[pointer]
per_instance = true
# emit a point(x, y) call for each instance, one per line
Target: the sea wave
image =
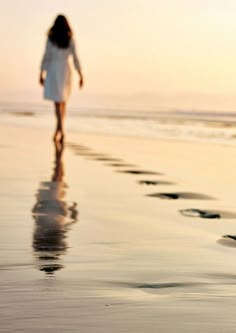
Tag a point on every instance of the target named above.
point(195, 125)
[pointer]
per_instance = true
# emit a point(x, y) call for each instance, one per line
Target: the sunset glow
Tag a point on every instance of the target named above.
point(127, 47)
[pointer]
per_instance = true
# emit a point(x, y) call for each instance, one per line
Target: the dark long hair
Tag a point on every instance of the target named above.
point(60, 33)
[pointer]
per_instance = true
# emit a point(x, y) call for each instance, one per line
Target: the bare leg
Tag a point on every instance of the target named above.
point(63, 112)
point(60, 109)
point(59, 121)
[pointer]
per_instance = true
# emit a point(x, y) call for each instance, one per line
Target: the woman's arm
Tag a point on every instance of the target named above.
point(77, 63)
point(81, 79)
point(45, 61)
point(41, 77)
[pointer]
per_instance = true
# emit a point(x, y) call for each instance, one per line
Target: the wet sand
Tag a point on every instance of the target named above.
point(115, 234)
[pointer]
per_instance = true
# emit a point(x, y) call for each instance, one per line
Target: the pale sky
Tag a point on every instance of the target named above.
point(127, 46)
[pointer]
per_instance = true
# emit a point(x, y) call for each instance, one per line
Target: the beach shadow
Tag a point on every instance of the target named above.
point(180, 195)
point(53, 218)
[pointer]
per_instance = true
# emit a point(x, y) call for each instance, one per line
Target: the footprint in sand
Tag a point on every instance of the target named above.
point(180, 195)
point(154, 182)
point(76, 147)
point(87, 152)
point(228, 240)
point(157, 288)
point(192, 212)
point(108, 159)
point(121, 165)
point(79, 150)
point(207, 214)
point(94, 156)
point(139, 172)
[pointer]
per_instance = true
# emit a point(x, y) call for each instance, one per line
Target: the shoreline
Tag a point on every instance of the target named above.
point(167, 126)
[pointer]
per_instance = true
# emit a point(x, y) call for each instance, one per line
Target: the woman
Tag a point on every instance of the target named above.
point(55, 74)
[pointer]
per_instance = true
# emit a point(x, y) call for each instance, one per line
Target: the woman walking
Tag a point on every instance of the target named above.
point(55, 74)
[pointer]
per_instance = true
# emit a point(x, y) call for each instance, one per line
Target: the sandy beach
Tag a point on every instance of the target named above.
point(116, 234)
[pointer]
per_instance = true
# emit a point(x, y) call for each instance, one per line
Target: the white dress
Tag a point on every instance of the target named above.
point(56, 63)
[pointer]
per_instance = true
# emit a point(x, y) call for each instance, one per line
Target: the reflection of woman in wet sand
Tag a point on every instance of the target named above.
point(53, 217)
point(55, 64)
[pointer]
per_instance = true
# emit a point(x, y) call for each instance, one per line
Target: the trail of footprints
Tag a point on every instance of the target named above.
point(127, 168)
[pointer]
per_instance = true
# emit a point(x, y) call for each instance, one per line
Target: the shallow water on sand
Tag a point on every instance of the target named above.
point(84, 249)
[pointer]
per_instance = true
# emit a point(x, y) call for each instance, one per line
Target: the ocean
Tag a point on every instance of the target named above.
point(217, 127)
